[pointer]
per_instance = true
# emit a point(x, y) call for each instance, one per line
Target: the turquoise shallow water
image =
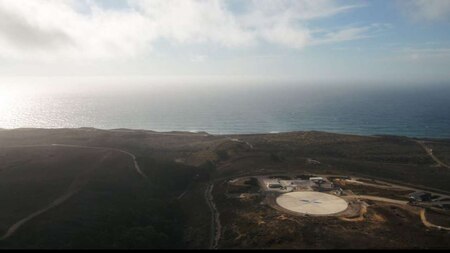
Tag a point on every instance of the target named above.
point(418, 111)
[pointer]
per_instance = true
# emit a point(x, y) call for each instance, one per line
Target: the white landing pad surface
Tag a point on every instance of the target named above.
point(313, 203)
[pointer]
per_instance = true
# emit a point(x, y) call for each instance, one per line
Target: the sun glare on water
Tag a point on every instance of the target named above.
point(12, 99)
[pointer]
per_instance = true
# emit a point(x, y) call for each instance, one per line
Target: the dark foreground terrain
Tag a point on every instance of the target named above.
point(89, 188)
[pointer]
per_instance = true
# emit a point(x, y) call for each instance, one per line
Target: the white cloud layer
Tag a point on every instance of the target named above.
point(82, 29)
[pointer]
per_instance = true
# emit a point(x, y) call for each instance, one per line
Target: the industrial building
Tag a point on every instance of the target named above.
point(313, 184)
point(420, 197)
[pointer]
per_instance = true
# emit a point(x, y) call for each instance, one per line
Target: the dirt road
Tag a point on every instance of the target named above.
point(77, 184)
point(241, 141)
point(215, 220)
point(136, 165)
point(428, 224)
point(73, 189)
point(20, 223)
point(430, 153)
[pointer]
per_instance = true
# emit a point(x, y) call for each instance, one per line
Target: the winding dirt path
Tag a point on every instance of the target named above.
point(422, 213)
point(430, 153)
point(20, 223)
point(428, 224)
point(242, 141)
point(73, 189)
point(216, 227)
point(136, 165)
point(362, 212)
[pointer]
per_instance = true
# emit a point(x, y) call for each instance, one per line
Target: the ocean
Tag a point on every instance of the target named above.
point(227, 107)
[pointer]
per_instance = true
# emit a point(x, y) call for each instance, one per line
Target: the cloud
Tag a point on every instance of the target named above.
point(351, 33)
point(285, 22)
point(85, 29)
point(416, 54)
point(426, 10)
point(438, 54)
point(51, 29)
point(188, 21)
point(299, 9)
point(198, 58)
point(21, 33)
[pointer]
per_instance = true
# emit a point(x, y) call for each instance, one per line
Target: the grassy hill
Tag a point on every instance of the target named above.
point(112, 206)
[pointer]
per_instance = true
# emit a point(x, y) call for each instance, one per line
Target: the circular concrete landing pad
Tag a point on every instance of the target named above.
point(313, 203)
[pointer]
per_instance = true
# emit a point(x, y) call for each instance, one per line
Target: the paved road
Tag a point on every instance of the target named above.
point(423, 217)
point(392, 201)
point(387, 185)
point(384, 186)
point(74, 188)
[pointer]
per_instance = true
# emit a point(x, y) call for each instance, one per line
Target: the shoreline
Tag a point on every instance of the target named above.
point(227, 134)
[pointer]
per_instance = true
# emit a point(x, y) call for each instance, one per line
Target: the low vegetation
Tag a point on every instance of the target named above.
point(116, 208)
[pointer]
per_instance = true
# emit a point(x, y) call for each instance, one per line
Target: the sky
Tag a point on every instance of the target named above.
point(306, 40)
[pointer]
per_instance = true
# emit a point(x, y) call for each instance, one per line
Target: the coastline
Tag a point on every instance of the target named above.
point(187, 132)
